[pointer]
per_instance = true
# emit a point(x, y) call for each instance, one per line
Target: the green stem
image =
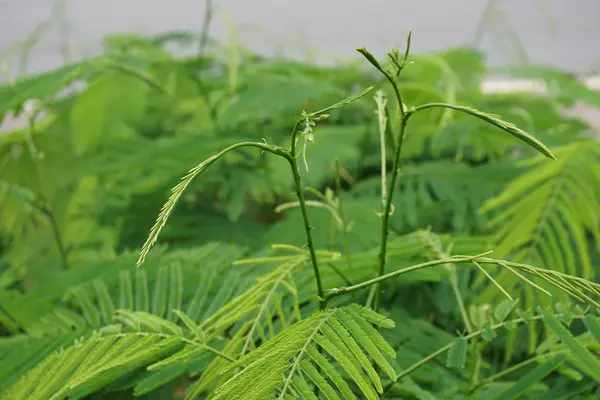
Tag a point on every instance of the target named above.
point(476, 365)
point(456, 259)
point(45, 208)
point(57, 236)
point(459, 300)
point(218, 353)
point(291, 157)
point(447, 347)
point(390, 193)
point(436, 105)
point(515, 367)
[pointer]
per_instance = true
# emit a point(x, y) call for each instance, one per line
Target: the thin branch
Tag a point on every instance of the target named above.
point(455, 259)
point(45, 208)
point(292, 155)
point(459, 300)
point(398, 150)
point(307, 228)
point(447, 347)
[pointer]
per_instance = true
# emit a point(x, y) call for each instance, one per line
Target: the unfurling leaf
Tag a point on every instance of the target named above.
point(498, 122)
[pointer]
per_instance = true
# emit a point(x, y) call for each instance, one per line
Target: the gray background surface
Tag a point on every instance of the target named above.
point(562, 33)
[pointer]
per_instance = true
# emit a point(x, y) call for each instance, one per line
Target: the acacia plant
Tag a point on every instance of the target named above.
point(285, 329)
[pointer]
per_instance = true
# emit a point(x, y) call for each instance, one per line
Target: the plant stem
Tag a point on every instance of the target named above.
point(447, 347)
point(515, 367)
point(307, 227)
point(476, 365)
point(57, 236)
point(459, 300)
point(45, 207)
point(388, 202)
point(456, 259)
point(219, 353)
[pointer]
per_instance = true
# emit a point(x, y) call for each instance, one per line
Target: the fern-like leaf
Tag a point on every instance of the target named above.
point(88, 366)
point(343, 334)
point(179, 189)
point(543, 217)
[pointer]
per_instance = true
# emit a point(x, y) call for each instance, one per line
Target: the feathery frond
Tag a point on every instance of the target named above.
point(290, 360)
point(179, 189)
point(543, 217)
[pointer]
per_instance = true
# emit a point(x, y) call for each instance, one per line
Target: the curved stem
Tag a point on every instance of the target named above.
point(436, 105)
point(456, 259)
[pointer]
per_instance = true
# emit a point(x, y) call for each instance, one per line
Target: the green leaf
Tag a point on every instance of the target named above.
point(532, 378)
point(591, 361)
point(342, 103)
point(488, 333)
point(478, 315)
point(275, 365)
point(498, 122)
point(191, 325)
point(591, 322)
point(457, 356)
point(503, 310)
point(106, 108)
point(37, 87)
point(371, 58)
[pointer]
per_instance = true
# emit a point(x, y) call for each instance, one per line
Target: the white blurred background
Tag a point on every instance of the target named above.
point(560, 33)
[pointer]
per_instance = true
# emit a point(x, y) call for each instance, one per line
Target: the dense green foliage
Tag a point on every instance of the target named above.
point(224, 306)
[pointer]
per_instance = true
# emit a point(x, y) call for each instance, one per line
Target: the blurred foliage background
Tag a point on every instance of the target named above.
point(105, 138)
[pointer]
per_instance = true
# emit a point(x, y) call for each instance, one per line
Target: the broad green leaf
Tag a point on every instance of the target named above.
point(111, 103)
point(457, 356)
point(503, 310)
point(478, 315)
point(488, 333)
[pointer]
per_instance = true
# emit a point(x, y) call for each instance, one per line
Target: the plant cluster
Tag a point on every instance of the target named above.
point(398, 243)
